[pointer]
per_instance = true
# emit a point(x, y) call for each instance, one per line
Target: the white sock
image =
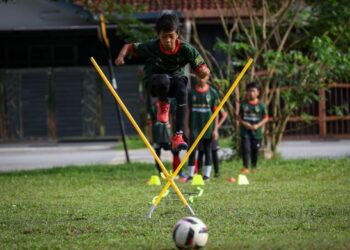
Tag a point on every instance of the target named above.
point(207, 171)
point(191, 170)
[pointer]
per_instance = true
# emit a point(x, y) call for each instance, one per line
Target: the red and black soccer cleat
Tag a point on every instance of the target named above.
point(178, 143)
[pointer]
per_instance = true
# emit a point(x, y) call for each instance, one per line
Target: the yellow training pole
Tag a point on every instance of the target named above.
point(144, 139)
point(216, 112)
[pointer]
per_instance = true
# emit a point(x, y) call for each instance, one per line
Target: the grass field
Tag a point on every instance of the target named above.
point(299, 204)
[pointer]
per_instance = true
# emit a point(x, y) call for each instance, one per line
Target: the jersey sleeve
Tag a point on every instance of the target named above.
point(264, 113)
point(194, 57)
point(142, 49)
point(215, 101)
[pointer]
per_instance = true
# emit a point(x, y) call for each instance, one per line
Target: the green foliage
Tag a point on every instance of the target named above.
point(128, 26)
point(335, 62)
point(331, 17)
point(289, 204)
point(299, 47)
point(340, 110)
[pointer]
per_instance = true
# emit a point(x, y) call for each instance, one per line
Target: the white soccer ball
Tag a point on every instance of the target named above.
point(190, 232)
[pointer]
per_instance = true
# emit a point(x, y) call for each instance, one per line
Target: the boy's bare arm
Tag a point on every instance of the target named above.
point(223, 118)
point(216, 129)
point(127, 49)
point(247, 125)
point(261, 123)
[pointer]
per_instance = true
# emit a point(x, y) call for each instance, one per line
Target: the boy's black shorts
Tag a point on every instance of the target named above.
point(164, 82)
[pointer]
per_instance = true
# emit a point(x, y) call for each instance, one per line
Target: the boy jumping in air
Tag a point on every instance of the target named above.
point(252, 117)
point(165, 61)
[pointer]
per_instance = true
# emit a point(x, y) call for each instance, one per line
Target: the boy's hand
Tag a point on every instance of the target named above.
point(247, 125)
point(119, 60)
point(255, 127)
point(126, 50)
point(215, 134)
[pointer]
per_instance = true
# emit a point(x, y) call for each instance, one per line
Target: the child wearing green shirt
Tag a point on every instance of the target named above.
point(165, 61)
point(252, 117)
point(203, 100)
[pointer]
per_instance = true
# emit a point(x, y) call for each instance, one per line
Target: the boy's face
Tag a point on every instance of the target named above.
point(168, 40)
point(253, 94)
point(202, 81)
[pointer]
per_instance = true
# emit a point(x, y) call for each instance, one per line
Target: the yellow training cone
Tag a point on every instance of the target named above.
point(197, 180)
point(242, 180)
point(154, 181)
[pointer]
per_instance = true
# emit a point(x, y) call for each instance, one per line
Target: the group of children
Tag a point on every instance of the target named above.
point(165, 80)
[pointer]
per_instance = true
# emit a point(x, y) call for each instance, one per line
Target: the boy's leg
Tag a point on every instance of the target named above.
point(208, 159)
point(158, 152)
point(176, 163)
point(176, 160)
point(214, 154)
point(245, 155)
point(178, 89)
point(255, 145)
point(158, 86)
point(200, 160)
point(191, 162)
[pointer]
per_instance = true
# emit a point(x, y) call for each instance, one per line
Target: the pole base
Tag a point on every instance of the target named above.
point(150, 212)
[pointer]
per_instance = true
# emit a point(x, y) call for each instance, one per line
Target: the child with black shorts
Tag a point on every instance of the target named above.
point(252, 117)
point(165, 61)
point(203, 100)
point(214, 147)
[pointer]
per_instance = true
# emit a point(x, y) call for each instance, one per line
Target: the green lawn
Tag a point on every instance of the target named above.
point(301, 204)
point(132, 143)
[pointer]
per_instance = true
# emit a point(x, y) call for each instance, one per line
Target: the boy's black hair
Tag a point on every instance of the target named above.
point(167, 22)
point(254, 85)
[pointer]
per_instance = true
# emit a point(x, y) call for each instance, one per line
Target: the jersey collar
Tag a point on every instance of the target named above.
point(199, 90)
point(253, 102)
point(170, 52)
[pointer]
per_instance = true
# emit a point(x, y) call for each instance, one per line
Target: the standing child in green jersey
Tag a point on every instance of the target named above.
point(252, 117)
point(165, 61)
point(202, 101)
point(222, 116)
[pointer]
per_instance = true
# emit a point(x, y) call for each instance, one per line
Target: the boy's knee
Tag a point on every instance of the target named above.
point(159, 84)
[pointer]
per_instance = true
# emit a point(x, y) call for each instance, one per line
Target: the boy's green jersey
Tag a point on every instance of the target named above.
point(202, 105)
point(158, 61)
point(252, 113)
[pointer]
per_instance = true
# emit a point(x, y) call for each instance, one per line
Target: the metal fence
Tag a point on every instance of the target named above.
point(326, 119)
point(63, 104)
